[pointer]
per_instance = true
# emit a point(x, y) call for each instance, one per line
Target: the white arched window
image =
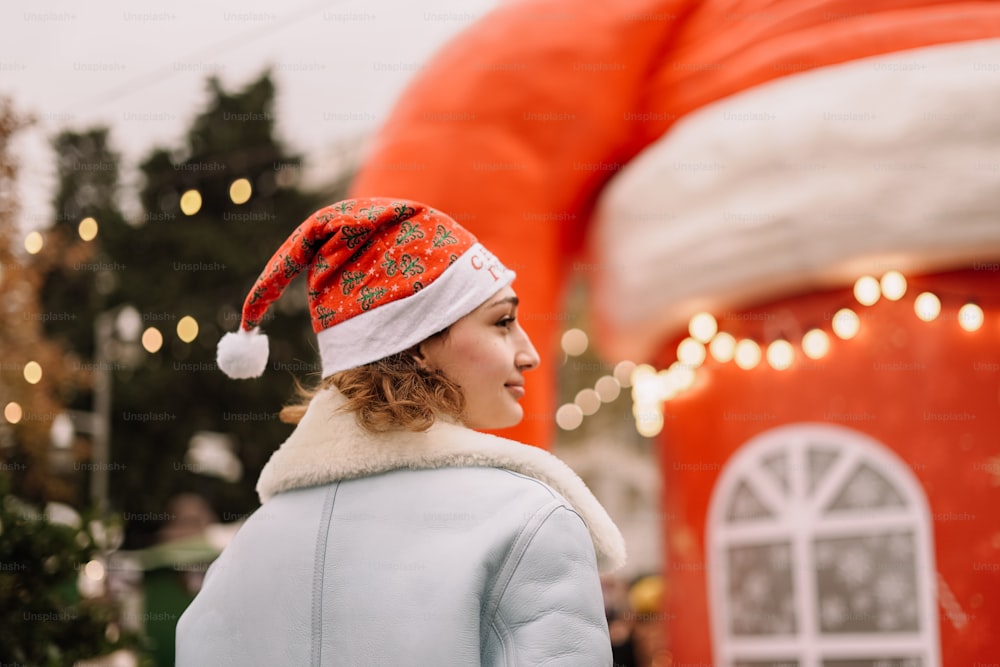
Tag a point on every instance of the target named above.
point(820, 554)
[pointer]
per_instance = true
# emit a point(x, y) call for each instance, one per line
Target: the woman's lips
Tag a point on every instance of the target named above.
point(516, 390)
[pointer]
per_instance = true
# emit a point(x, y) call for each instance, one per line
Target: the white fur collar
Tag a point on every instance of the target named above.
point(328, 445)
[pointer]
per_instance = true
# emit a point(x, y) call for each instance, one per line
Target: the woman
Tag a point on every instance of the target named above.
point(391, 533)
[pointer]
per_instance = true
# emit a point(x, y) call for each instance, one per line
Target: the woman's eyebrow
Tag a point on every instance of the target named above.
point(512, 300)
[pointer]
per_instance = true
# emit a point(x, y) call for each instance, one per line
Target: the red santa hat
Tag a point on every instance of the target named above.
point(383, 275)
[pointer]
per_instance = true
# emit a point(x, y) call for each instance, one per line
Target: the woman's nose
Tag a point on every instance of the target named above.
point(527, 356)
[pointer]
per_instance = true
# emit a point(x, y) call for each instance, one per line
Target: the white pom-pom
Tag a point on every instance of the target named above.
point(242, 354)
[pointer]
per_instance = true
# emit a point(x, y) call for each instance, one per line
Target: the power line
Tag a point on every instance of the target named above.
point(227, 44)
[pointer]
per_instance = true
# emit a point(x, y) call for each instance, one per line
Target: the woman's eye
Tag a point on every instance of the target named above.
point(505, 322)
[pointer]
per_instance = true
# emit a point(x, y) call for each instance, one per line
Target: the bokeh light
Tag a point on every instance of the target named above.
point(702, 327)
point(12, 412)
point(33, 372)
point(152, 340)
point(574, 342)
point(927, 306)
point(867, 290)
point(970, 317)
point(846, 323)
point(893, 285)
point(190, 202)
point(87, 229)
point(33, 242)
point(815, 344)
point(240, 191)
point(187, 329)
point(722, 347)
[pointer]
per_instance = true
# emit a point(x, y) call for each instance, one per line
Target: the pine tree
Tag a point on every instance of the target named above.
point(182, 260)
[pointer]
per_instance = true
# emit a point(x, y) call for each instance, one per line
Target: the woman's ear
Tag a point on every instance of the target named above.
point(419, 356)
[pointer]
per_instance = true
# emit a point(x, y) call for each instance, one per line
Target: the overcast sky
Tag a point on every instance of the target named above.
point(140, 66)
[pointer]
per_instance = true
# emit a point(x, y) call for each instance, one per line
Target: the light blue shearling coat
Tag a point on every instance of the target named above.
point(447, 547)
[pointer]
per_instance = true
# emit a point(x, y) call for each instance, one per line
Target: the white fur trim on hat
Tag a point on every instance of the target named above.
point(242, 354)
point(473, 278)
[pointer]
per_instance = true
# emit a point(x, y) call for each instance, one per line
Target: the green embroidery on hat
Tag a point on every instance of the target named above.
point(443, 237)
point(389, 265)
point(354, 235)
point(372, 212)
point(350, 279)
point(292, 268)
point(320, 265)
point(368, 296)
point(402, 212)
point(408, 232)
point(410, 266)
point(324, 314)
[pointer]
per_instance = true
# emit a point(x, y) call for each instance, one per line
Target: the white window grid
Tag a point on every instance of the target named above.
point(798, 518)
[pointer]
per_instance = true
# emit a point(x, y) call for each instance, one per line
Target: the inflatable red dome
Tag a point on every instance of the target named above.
point(818, 183)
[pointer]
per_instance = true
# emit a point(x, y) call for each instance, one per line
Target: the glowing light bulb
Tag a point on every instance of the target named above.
point(780, 355)
point(588, 401)
point(152, 340)
point(623, 373)
point(893, 285)
point(87, 229)
point(722, 347)
point(33, 372)
point(747, 354)
point(815, 344)
point(970, 317)
point(190, 202)
point(867, 290)
point(702, 327)
point(846, 323)
point(574, 342)
point(569, 416)
point(240, 191)
point(608, 388)
point(33, 243)
point(927, 306)
point(691, 353)
point(12, 412)
point(187, 329)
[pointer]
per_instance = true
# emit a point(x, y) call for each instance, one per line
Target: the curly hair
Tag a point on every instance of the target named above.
point(394, 393)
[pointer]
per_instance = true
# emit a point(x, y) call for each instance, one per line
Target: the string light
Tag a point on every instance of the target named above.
point(867, 290)
point(190, 202)
point(722, 347)
point(691, 352)
point(608, 388)
point(152, 340)
point(970, 317)
point(815, 344)
point(623, 373)
point(780, 355)
point(574, 342)
point(187, 329)
point(588, 401)
point(12, 412)
point(927, 306)
point(33, 243)
point(893, 285)
point(652, 388)
point(846, 323)
point(702, 327)
point(569, 416)
point(240, 191)
point(747, 354)
point(33, 372)
point(87, 229)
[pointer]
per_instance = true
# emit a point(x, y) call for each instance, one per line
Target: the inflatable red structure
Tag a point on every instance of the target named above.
point(830, 496)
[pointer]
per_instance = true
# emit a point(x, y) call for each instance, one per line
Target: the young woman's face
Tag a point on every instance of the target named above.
point(486, 353)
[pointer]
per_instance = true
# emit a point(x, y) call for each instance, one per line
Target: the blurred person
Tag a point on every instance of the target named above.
point(646, 601)
point(392, 532)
